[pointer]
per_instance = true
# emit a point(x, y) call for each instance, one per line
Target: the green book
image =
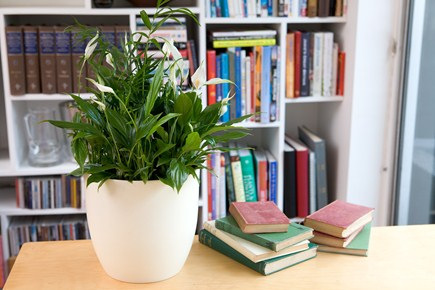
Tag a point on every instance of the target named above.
point(265, 267)
point(359, 245)
point(231, 195)
point(275, 241)
point(248, 174)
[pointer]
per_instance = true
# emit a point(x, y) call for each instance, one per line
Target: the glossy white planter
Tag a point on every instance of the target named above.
point(142, 232)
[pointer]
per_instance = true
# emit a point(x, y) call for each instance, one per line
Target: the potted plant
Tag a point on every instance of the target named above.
point(140, 142)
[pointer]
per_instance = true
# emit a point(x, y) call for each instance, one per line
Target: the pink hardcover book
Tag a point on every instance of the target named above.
point(339, 218)
point(259, 217)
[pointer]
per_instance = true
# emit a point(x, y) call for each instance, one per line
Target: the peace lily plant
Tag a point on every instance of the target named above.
point(139, 124)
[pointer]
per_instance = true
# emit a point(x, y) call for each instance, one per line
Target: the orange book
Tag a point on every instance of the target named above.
point(290, 65)
point(341, 68)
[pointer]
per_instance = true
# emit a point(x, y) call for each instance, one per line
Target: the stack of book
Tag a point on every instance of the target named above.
point(46, 59)
point(305, 180)
point(240, 175)
point(251, 60)
point(259, 236)
point(342, 227)
point(314, 65)
point(274, 8)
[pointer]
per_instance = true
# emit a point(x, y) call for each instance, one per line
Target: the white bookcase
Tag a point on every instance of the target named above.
point(328, 116)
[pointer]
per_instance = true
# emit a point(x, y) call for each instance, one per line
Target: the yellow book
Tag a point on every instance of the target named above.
point(73, 193)
point(243, 42)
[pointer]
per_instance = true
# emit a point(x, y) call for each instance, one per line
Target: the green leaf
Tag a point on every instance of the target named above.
point(76, 126)
point(162, 121)
point(80, 151)
point(178, 173)
point(145, 19)
point(229, 136)
point(193, 141)
point(90, 111)
point(183, 106)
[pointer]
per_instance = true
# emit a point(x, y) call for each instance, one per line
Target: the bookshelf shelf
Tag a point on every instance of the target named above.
point(24, 169)
point(274, 20)
point(46, 97)
point(314, 99)
point(259, 125)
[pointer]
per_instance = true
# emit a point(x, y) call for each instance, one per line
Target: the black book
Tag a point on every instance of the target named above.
point(289, 181)
point(305, 64)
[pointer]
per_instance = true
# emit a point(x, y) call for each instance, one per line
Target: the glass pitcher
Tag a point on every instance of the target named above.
point(45, 146)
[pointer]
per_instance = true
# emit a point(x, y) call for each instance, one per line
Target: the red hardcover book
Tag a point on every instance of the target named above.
point(328, 240)
point(297, 61)
point(260, 162)
point(339, 218)
point(259, 217)
point(302, 180)
point(211, 73)
point(340, 79)
point(190, 58)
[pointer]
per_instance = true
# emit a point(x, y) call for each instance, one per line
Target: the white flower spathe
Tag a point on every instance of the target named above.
point(109, 59)
point(90, 47)
point(100, 87)
point(100, 104)
point(199, 77)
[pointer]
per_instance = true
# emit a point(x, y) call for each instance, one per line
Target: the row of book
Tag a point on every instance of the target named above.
point(46, 228)
point(49, 192)
point(252, 62)
point(240, 175)
point(305, 174)
point(266, 248)
point(275, 8)
point(314, 65)
point(175, 30)
point(46, 59)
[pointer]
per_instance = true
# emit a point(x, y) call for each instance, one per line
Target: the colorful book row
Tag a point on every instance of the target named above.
point(49, 192)
point(255, 74)
point(240, 175)
point(46, 228)
point(47, 59)
point(305, 175)
point(314, 65)
point(275, 8)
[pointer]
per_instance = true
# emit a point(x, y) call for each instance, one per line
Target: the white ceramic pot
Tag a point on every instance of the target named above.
point(142, 232)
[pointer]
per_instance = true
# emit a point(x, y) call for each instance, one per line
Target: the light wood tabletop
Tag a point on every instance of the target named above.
point(399, 258)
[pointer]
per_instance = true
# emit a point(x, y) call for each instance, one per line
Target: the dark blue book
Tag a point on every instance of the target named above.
point(305, 64)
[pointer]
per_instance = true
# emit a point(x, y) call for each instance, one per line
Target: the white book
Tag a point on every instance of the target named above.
point(239, 4)
point(216, 181)
point(334, 69)
point(252, 8)
point(247, 97)
point(232, 10)
point(258, 8)
point(294, 8)
point(317, 64)
point(243, 79)
point(252, 251)
point(208, 8)
point(328, 42)
point(222, 188)
point(286, 8)
point(313, 185)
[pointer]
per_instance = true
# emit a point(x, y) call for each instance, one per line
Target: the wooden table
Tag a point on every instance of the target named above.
point(399, 258)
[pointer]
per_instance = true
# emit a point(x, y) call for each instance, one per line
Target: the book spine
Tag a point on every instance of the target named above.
point(243, 42)
point(211, 73)
point(238, 82)
point(232, 74)
point(78, 70)
point(225, 86)
point(257, 92)
point(273, 176)
point(243, 81)
point(305, 50)
point(248, 174)
point(231, 195)
point(31, 56)
point(341, 68)
point(317, 63)
point(47, 59)
point(302, 183)
point(339, 8)
point(303, 7)
point(236, 169)
point(290, 65)
point(252, 84)
point(275, 74)
point(218, 8)
point(224, 7)
point(215, 243)
point(248, 86)
point(328, 42)
point(298, 56)
point(313, 183)
point(312, 8)
point(265, 84)
point(256, 239)
point(262, 181)
point(222, 188)
point(63, 60)
point(290, 184)
point(14, 42)
point(190, 58)
point(209, 189)
point(219, 96)
point(334, 69)
point(323, 8)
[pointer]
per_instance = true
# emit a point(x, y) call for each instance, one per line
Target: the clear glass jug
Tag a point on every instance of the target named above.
point(45, 146)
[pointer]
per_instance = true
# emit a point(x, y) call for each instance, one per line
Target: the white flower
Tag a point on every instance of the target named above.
point(90, 47)
point(100, 87)
point(173, 75)
point(224, 107)
point(169, 49)
point(199, 77)
point(109, 59)
point(100, 104)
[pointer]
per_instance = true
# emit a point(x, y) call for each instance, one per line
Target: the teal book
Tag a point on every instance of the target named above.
point(359, 245)
point(265, 267)
point(275, 241)
point(248, 174)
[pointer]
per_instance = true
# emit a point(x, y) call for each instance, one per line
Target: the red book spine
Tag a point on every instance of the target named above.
point(17, 193)
point(341, 66)
point(209, 195)
point(262, 182)
point(190, 58)
point(302, 182)
point(297, 71)
point(211, 73)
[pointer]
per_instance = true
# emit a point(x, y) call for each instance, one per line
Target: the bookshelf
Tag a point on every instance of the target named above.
point(328, 116)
